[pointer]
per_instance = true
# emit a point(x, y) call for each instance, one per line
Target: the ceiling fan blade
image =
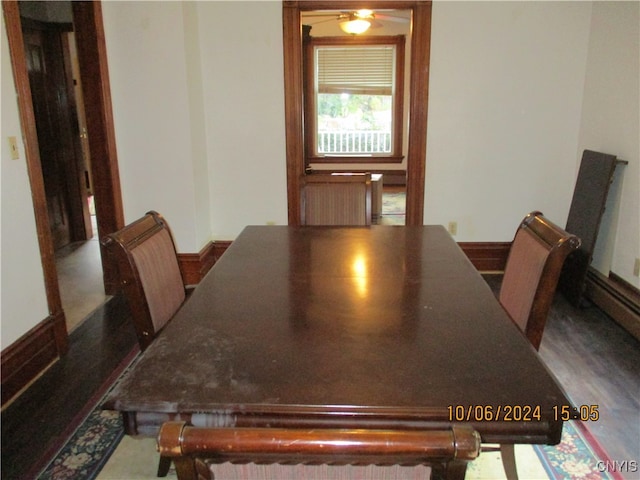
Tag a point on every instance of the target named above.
point(391, 18)
point(318, 22)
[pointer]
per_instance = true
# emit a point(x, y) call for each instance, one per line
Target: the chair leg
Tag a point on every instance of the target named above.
point(508, 454)
point(163, 466)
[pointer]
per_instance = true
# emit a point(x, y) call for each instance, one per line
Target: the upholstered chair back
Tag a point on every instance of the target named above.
point(149, 273)
point(531, 275)
point(331, 199)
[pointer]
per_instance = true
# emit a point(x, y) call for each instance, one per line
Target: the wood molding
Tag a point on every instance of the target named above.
point(390, 177)
point(418, 93)
point(30, 355)
point(616, 298)
point(220, 246)
point(34, 170)
point(293, 105)
point(418, 109)
point(194, 266)
point(94, 75)
point(487, 256)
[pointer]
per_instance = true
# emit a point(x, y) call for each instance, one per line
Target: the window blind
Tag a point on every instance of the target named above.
point(358, 69)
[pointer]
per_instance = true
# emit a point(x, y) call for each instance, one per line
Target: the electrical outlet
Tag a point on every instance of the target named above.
point(636, 268)
point(453, 228)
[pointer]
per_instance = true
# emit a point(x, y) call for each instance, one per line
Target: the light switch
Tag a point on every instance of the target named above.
point(13, 146)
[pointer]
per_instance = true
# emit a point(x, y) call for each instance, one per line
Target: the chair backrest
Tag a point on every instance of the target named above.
point(447, 449)
point(149, 273)
point(336, 199)
point(531, 275)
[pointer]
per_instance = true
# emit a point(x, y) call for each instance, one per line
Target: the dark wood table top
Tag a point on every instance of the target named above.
point(384, 326)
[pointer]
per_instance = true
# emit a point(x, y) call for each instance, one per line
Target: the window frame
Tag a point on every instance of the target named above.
point(310, 108)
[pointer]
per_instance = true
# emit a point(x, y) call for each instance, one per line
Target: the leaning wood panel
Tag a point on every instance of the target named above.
point(587, 207)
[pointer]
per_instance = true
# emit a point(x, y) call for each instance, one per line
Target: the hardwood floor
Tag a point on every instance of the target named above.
point(597, 363)
point(80, 280)
point(595, 360)
point(37, 420)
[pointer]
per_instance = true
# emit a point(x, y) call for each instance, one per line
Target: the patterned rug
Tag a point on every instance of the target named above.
point(98, 449)
point(393, 209)
point(393, 203)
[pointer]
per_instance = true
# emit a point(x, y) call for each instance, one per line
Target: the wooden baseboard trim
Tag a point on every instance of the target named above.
point(30, 355)
point(487, 256)
point(194, 266)
point(220, 246)
point(616, 298)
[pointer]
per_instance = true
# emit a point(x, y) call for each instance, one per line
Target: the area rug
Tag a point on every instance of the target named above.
point(393, 203)
point(393, 209)
point(98, 449)
point(91, 438)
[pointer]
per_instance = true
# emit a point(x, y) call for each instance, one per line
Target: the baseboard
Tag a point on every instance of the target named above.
point(616, 298)
point(194, 266)
point(487, 256)
point(30, 355)
point(220, 246)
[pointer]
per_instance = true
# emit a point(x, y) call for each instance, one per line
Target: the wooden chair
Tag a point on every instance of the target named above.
point(535, 261)
point(336, 199)
point(151, 279)
point(531, 275)
point(195, 449)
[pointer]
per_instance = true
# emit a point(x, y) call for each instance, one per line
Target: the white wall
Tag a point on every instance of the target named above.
point(242, 70)
point(505, 92)
point(611, 120)
point(151, 105)
point(199, 118)
point(23, 301)
point(177, 68)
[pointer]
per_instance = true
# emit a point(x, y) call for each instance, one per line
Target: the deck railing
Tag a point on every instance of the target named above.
point(353, 142)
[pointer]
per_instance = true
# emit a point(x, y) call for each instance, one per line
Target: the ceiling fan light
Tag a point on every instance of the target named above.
point(355, 26)
point(364, 13)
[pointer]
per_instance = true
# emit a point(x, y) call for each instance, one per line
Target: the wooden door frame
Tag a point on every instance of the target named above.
point(105, 176)
point(95, 80)
point(418, 95)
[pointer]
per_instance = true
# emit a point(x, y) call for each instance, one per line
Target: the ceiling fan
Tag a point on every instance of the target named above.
point(356, 21)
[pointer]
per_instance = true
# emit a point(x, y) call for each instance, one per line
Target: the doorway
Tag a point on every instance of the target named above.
point(100, 136)
point(56, 93)
point(418, 98)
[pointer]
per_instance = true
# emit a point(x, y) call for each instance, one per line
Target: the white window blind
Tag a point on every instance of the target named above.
point(357, 69)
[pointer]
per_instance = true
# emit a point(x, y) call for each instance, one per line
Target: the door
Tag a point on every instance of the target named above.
point(63, 168)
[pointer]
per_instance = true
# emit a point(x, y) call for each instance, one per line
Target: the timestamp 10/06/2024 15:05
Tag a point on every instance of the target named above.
point(520, 413)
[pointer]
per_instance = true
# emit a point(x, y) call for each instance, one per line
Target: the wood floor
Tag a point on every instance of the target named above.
point(594, 360)
point(597, 363)
point(38, 419)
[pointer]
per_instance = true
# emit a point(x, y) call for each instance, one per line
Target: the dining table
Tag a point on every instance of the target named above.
point(379, 327)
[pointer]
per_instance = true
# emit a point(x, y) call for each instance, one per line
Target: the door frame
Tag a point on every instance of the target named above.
point(418, 96)
point(88, 25)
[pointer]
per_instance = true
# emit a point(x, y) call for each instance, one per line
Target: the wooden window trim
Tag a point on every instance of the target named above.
point(396, 155)
point(418, 96)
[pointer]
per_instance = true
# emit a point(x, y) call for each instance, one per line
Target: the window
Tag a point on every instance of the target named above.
point(354, 99)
